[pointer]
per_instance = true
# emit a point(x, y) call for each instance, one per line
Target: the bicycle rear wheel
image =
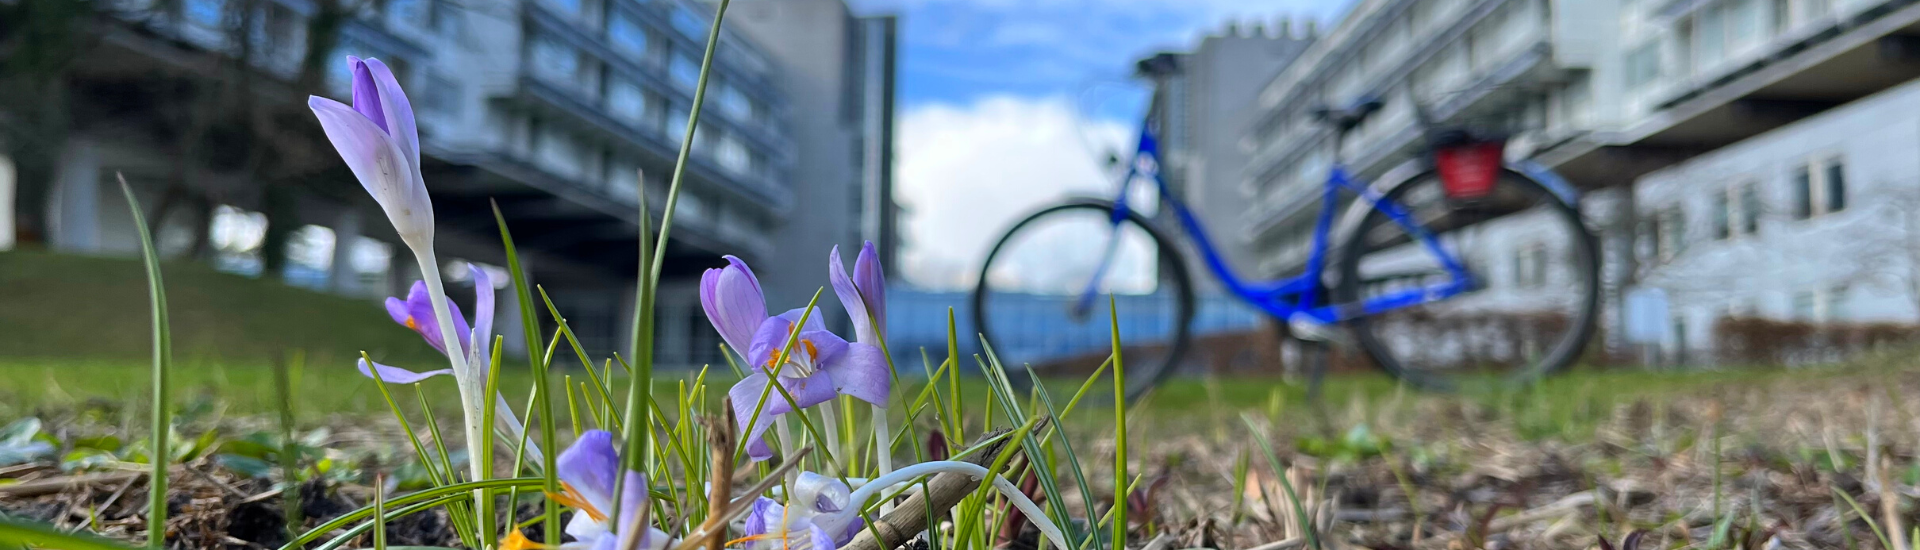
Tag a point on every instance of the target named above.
point(1042, 297)
point(1530, 305)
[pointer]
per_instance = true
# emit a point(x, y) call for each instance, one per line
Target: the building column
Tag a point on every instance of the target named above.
point(73, 212)
point(344, 279)
point(7, 186)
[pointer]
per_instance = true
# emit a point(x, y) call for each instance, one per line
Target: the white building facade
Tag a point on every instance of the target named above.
point(1746, 157)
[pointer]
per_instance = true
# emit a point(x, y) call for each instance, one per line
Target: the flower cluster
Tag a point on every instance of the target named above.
point(587, 473)
point(819, 364)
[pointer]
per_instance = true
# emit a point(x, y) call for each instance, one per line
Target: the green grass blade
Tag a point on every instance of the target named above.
point(39, 535)
point(530, 322)
point(1119, 430)
point(289, 450)
point(455, 491)
point(578, 351)
point(380, 514)
point(162, 364)
point(1036, 453)
point(1280, 471)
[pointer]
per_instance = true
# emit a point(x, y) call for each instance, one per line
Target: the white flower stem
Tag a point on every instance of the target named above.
point(463, 377)
point(829, 423)
point(883, 450)
point(1013, 494)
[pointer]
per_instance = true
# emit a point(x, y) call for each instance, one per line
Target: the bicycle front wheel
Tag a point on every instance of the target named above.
point(1532, 283)
point(1042, 297)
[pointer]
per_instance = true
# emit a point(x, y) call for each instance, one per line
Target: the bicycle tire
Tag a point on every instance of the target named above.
point(1584, 266)
point(1141, 377)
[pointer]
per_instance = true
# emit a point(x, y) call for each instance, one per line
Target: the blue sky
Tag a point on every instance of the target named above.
point(1006, 105)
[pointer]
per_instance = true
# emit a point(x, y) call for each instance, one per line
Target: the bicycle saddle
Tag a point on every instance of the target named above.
point(1349, 117)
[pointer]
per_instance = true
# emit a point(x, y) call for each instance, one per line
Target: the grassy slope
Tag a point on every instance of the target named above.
point(82, 322)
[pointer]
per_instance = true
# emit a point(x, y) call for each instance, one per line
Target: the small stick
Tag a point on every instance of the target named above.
point(720, 440)
point(910, 518)
point(716, 526)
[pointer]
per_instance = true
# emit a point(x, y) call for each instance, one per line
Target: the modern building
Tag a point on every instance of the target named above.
point(564, 113)
point(1684, 121)
point(1202, 102)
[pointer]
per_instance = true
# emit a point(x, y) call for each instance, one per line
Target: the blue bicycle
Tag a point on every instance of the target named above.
point(1454, 267)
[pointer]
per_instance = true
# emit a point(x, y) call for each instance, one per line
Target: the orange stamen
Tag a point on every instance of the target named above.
point(571, 498)
point(415, 325)
point(518, 541)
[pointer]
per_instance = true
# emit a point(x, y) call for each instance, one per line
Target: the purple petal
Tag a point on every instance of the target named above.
point(740, 264)
point(420, 312)
point(827, 495)
point(366, 95)
point(397, 375)
point(633, 499)
point(745, 396)
point(852, 530)
point(850, 297)
point(814, 321)
point(394, 105)
point(872, 283)
point(764, 517)
point(827, 346)
point(588, 467)
point(373, 157)
point(397, 309)
point(820, 538)
point(387, 171)
point(768, 341)
point(861, 373)
point(733, 302)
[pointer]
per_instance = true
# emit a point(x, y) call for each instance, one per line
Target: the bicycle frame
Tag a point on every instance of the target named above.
point(1300, 294)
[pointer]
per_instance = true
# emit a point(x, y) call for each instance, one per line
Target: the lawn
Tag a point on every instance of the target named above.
point(1693, 455)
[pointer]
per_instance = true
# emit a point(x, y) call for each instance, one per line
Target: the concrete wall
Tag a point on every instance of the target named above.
point(808, 40)
point(1857, 264)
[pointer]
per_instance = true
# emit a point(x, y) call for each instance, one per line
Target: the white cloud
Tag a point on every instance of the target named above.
point(968, 171)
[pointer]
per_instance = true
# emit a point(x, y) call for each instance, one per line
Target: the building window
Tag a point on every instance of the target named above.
point(732, 155)
point(206, 13)
point(688, 23)
point(446, 18)
point(1679, 351)
point(1722, 217)
point(442, 95)
point(1819, 191)
point(626, 101)
point(1802, 182)
point(554, 61)
point(1711, 32)
point(676, 123)
point(1833, 304)
point(1673, 229)
point(1803, 306)
point(409, 14)
point(627, 35)
point(1643, 65)
point(1530, 266)
point(734, 103)
point(1749, 209)
point(684, 71)
point(1835, 186)
point(569, 7)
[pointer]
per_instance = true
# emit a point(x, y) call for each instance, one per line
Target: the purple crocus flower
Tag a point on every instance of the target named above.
point(586, 471)
point(820, 365)
point(864, 294)
point(378, 140)
point(820, 515)
point(416, 312)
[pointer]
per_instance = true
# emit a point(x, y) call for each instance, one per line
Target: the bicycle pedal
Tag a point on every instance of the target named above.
point(1308, 328)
